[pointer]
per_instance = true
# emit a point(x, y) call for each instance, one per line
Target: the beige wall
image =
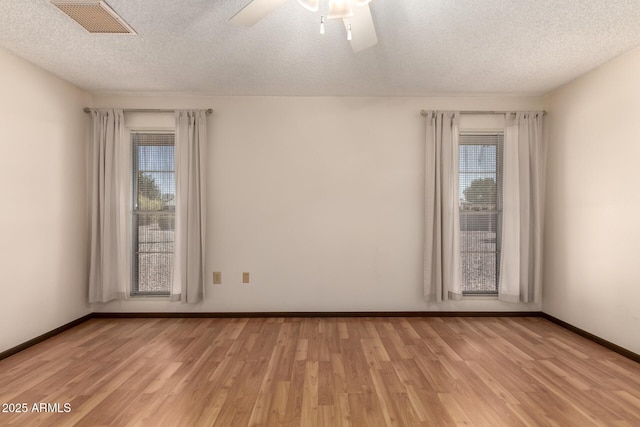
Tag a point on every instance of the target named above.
point(320, 199)
point(43, 226)
point(592, 252)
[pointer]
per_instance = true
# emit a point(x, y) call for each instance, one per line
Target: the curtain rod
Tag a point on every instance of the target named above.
point(145, 110)
point(424, 112)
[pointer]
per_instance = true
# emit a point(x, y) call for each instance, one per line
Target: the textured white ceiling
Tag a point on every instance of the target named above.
point(426, 47)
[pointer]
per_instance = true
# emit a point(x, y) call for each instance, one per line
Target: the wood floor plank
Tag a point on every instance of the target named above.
point(405, 371)
point(262, 406)
point(427, 407)
point(278, 404)
point(293, 409)
point(309, 414)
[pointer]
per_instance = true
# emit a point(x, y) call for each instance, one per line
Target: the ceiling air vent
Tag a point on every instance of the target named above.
point(94, 15)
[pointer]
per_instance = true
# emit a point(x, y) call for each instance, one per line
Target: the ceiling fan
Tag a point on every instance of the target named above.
point(355, 14)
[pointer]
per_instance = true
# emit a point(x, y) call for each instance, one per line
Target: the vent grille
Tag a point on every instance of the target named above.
point(95, 16)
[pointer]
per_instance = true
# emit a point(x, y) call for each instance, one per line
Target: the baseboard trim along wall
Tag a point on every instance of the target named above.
point(609, 345)
point(288, 314)
point(45, 336)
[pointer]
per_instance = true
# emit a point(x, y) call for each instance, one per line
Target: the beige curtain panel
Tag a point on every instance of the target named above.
point(189, 256)
point(524, 181)
point(442, 218)
point(109, 170)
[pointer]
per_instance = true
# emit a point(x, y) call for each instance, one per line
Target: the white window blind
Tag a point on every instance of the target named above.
point(480, 203)
point(154, 191)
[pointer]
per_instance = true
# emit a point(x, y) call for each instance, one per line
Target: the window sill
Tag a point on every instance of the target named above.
point(479, 297)
point(150, 297)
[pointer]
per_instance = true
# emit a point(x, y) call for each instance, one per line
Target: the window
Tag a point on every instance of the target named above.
point(153, 222)
point(480, 195)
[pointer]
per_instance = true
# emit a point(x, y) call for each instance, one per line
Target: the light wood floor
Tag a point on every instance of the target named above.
point(322, 371)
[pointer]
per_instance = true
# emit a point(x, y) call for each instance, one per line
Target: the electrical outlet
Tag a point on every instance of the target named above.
point(245, 277)
point(217, 278)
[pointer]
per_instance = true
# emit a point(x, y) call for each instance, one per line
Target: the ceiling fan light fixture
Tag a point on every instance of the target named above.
point(312, 5)
point(340, 9)
point(361, 2)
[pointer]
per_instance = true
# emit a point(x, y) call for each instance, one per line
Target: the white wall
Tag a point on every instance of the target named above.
point(43, 220)
point(320, 199)
point(592, 252)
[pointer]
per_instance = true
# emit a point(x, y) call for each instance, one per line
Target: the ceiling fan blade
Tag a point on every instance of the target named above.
point(362, 28)
point(255, 11)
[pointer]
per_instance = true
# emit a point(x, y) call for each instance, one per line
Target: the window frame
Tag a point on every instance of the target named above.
point(498, 211)
point(136, 293)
